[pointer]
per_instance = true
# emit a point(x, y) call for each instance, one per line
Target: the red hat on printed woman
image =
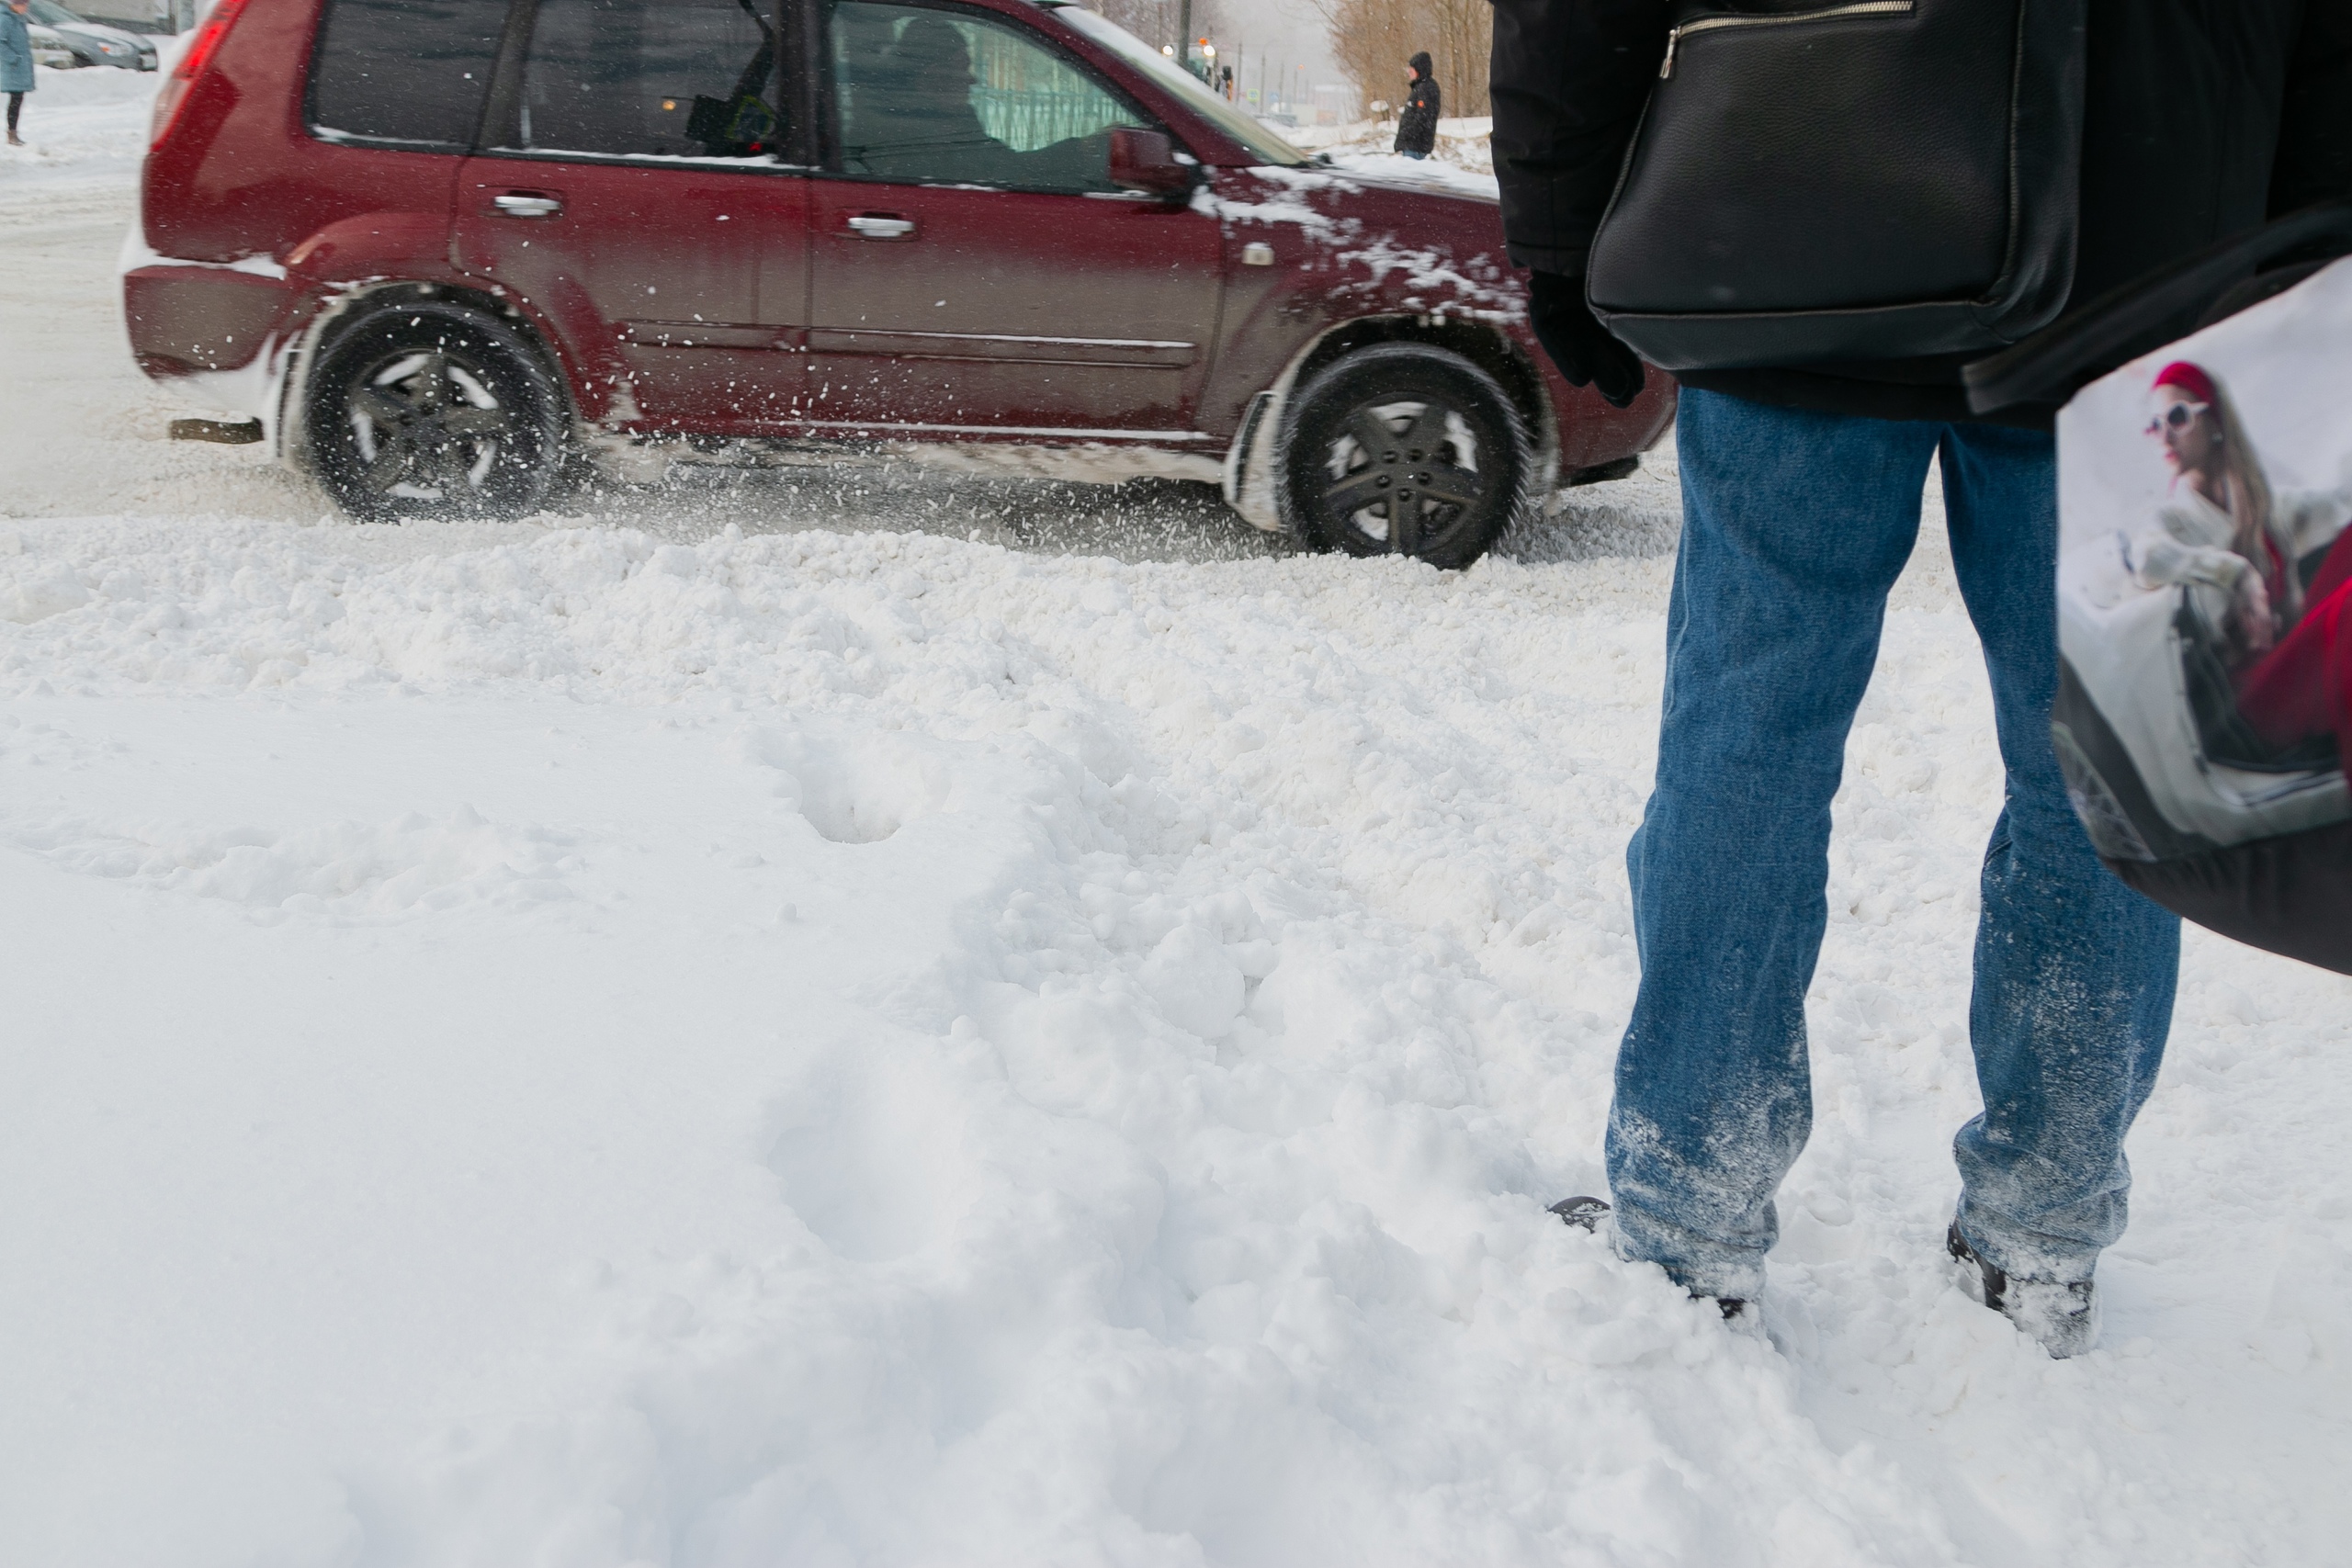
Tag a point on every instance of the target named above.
point(2189, 378)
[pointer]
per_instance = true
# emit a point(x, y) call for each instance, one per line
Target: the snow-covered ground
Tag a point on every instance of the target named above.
point(859, 1019)
point(1463, 145)
point(86, 126)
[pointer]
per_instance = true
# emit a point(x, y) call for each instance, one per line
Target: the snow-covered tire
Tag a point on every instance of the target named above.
point(1403, 448)
point(434, 411)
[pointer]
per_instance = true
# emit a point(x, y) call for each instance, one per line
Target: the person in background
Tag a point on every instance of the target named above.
point(16, 63)
point(921, 104)
point(1417, 126)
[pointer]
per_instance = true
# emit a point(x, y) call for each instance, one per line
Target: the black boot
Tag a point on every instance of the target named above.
point(2061, 1315)
point(1586, 1212)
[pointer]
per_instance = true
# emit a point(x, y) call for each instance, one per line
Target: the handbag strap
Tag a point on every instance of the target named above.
point(2123, 323)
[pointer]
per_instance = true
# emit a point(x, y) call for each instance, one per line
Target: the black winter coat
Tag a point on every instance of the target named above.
point(1417, 126)
point(2202, 118)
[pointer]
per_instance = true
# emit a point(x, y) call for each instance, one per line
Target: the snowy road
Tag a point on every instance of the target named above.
point(760, 1027)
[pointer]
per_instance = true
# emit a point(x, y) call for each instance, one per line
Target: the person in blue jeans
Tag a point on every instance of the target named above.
point(1795, 526)
point(1802, 489)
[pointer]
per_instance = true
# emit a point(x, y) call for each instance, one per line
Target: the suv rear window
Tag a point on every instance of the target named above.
point(653, 78)
point(412, 72)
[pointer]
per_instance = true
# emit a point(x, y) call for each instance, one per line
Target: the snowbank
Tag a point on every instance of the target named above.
point(1432, 171)
point(830, 1048)
point(1463, 145)
point(85, 125)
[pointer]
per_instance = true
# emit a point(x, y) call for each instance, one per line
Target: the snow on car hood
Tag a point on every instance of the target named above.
point(1396, 171)
point(1409, 237)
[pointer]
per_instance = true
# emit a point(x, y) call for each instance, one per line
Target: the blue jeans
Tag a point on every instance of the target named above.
point(1795, 527)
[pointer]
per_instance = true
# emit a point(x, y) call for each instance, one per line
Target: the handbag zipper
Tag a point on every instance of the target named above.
point(1674, 36)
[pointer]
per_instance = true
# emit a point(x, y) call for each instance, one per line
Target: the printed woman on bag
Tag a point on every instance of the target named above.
point(2228, 529)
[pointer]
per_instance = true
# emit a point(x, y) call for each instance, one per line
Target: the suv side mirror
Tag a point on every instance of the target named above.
point(1146, 159)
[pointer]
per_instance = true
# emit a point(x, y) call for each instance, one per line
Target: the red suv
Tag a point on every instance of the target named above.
point(438, 247)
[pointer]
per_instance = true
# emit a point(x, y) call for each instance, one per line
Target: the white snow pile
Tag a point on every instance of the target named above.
point(91, 122)
point(546, 1045)
point(1462, 160)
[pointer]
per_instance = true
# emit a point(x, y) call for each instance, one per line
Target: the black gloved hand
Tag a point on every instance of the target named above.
point(1579, 345)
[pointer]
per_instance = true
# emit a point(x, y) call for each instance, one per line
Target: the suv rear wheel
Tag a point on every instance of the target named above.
point(1404, 449)
point(431, 411)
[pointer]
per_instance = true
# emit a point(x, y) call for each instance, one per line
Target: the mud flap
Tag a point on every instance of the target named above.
point(227, 432)
point(1249, 480)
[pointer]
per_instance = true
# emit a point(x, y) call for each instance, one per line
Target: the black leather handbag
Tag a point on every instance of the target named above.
point(1879, 180)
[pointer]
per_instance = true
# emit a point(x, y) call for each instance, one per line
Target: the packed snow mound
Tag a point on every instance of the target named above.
point(872, 1048)
point(1462, 160)
point(86, 124)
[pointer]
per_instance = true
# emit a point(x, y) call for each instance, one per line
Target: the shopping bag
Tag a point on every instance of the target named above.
point(2204, 710)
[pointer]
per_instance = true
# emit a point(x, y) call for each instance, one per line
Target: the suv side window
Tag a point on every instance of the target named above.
point(653, 78)
point(940, 96)
point(408, 71)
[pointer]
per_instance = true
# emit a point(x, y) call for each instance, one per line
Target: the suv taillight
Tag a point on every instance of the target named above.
point(200, 50)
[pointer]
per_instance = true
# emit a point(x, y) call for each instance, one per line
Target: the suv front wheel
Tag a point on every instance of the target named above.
point(431, 411)
point(1404, 449)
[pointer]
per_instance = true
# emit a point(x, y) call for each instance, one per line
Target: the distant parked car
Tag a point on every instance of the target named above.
point(436, 249)
point(52, 50)
point(94, 43)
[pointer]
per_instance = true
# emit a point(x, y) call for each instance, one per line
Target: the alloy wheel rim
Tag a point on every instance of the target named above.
point(427, 425)
point(1402, 473)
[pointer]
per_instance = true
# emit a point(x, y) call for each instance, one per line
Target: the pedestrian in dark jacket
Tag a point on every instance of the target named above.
point(1417, 125)
point(1801, 503)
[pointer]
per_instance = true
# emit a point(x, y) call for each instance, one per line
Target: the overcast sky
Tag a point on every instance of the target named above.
point(1287, 31)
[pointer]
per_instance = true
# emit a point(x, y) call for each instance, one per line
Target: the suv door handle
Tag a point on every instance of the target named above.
point(881, 226)
point(521, 204)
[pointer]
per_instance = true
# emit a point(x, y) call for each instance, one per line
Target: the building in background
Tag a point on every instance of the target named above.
point(139, 16)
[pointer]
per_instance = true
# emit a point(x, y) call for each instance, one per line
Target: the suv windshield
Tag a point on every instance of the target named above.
point(50, 13)
point(1263, 144)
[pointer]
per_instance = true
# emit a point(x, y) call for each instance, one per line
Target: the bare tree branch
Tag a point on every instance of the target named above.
point(1370, 39)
